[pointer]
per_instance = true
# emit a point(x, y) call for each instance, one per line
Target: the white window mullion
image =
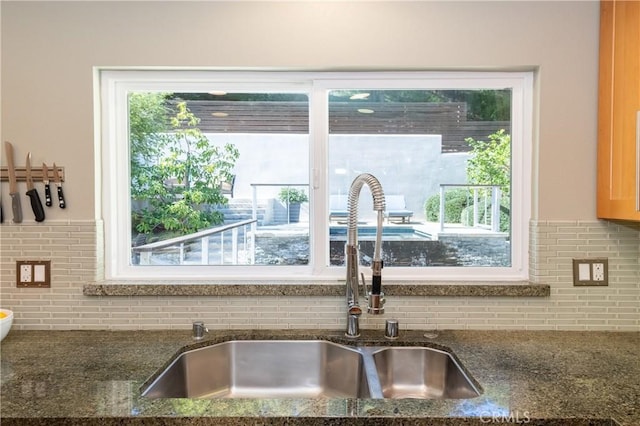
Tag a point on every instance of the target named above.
point(521, 160)
point(319, 215)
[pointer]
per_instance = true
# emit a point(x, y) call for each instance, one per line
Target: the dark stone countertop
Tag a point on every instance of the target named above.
point(530, 377)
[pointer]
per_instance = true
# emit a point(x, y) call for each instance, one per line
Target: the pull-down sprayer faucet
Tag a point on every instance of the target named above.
point(376, 296)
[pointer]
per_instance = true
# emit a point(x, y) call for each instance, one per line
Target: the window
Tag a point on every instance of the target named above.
point(227, 175)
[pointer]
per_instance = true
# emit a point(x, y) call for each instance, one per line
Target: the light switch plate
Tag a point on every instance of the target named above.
point(591, 272)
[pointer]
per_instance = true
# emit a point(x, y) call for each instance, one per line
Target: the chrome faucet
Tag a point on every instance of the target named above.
point(375, 297)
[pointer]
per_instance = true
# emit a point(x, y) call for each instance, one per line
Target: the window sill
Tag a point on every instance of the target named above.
point(319, 288)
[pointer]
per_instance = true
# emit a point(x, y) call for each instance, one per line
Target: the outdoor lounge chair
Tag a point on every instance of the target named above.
point(338, 207)
point(397, 208)
point(226, 188)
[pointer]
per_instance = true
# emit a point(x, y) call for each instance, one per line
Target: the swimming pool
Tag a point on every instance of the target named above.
point(401, 246)
point(389, 233)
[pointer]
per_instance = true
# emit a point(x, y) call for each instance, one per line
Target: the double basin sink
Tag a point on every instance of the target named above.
point(311, 369)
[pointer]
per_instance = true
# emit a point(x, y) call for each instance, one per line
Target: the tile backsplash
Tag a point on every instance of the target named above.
point(71, 247)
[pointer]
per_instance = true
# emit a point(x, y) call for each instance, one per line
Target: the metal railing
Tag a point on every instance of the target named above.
point(494, 203)
point(254, 203)
point(146, 251)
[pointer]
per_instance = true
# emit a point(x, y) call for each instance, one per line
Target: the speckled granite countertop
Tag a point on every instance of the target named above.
point(315, 288)
point(532, 377)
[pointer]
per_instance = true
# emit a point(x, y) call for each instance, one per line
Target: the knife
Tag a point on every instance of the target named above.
point(58, 180)
point(32, 192)
point(47, 188)
point(13, 185)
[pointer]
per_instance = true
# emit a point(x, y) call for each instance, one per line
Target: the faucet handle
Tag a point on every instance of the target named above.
point(364, 284)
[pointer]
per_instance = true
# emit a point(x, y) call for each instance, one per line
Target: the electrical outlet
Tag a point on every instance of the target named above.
point(25, 273)
point(33, 273)
point(598, 271)
point(590, 272)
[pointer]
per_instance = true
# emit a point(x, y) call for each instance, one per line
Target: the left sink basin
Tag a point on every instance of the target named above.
point(264, 369)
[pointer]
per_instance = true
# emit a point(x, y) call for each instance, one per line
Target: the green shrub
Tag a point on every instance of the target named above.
point(454, 202)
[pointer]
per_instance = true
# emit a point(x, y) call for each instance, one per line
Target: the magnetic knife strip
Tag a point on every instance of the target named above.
point(36, 174)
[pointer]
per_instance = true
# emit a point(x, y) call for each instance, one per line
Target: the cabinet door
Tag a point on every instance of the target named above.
point(619, 111)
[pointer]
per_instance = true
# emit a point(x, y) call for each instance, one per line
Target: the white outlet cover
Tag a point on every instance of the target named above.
point(25, 273)
point(598, 272)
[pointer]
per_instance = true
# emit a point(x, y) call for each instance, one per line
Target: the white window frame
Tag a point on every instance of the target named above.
point(113, 175)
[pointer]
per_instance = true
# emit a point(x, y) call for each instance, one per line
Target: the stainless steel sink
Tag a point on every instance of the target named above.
point(264, 369)
point(311, 369)
point(419, 372)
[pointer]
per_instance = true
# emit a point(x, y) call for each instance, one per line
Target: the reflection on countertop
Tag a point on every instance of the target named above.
point(535, 377)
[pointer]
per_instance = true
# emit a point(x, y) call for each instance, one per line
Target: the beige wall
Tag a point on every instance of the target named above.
point(49, 49)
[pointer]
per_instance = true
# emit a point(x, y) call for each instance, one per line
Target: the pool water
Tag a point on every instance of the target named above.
point(389, 233)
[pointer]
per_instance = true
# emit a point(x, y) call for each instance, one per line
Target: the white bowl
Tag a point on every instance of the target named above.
point(5, 323)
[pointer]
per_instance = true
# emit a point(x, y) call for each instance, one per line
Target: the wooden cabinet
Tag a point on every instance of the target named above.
point(619, 111)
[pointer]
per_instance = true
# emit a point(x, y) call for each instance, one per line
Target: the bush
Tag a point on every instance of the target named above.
point(454, 202)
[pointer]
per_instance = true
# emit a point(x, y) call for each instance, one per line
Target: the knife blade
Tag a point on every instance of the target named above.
point(13, 185)
point(32, 192)
point(47, 187)
point(58, 180)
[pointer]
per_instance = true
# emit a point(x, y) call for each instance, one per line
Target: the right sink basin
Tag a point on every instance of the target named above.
point(423, 373)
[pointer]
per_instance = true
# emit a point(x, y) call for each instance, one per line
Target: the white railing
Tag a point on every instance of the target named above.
point(146, 251)
point(494, 224)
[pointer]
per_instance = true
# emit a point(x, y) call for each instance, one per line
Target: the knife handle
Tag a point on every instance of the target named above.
point(61, 197)
point(36, 205)
point(16, 207)
point(47, 194)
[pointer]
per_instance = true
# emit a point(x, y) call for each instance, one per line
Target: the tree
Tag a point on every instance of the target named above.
point(148, 136)
point(175, 170)
point(490, 164)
